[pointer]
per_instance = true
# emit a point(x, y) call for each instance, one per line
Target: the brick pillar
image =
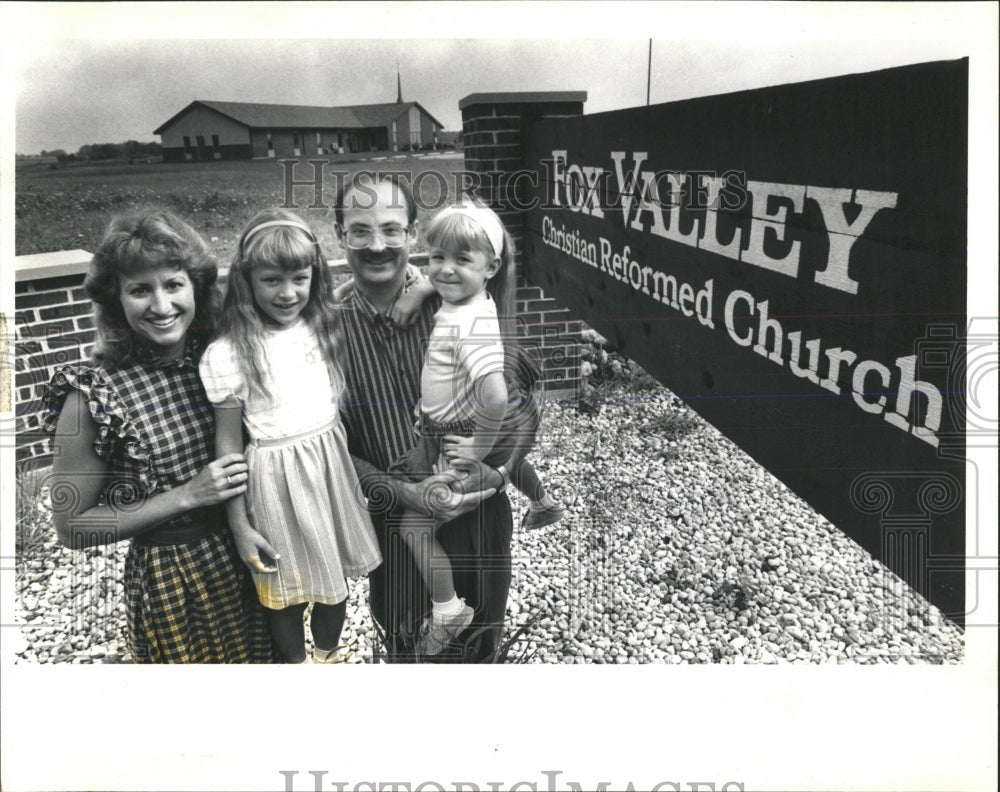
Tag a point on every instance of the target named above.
point(493, 126)
point(53, 325)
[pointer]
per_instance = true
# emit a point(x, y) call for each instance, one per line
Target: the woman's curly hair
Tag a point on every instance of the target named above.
point(137, 242)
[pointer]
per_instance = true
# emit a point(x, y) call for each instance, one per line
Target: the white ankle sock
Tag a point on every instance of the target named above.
point(448, 607)
point(545, 502)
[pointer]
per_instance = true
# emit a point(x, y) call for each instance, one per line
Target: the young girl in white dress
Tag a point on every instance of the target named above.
point(273, 372)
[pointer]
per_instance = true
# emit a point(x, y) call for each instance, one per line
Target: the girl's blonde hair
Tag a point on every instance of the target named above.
point(290, 248)
point(459, 232)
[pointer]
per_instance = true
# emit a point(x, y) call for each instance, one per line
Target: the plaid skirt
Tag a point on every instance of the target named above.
point(194, 603)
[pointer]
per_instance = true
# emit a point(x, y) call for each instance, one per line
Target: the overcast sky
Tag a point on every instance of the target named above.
point(78, 81)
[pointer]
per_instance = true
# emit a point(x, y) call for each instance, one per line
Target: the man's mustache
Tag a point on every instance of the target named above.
point(377, 258)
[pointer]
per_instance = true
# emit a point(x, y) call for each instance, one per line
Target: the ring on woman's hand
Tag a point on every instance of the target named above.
point(229, 479)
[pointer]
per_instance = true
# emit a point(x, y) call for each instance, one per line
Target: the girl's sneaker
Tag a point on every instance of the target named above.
point(540, 516)
point(437, 632)
point(326, 656)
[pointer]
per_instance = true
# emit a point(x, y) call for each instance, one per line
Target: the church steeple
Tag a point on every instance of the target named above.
point(399, 86)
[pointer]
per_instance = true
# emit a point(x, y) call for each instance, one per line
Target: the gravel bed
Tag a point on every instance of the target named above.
point(680, 548)
point(677, 548)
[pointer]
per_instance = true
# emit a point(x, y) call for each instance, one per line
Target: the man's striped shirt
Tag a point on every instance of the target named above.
point(382, 364)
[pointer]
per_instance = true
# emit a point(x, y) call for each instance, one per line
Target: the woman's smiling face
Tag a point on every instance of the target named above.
point(159, 306)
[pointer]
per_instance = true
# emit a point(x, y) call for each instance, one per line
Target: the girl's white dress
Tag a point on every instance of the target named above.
point(303, 495)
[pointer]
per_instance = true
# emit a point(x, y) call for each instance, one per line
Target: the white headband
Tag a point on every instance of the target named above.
point(485, 218)
point(275, 224)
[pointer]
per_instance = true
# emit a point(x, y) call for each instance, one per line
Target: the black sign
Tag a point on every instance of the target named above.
point(792, 262)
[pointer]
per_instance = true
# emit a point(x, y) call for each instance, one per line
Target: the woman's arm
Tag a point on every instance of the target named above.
point(250, 544)
point(79, 476)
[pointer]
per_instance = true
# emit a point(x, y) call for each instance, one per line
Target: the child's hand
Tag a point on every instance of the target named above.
point(406, 309)
point(255, 550)
point(456, 447)
point(444, 466)
point(341, 291)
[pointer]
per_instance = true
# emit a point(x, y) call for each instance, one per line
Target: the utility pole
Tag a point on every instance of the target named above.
point(649, 71)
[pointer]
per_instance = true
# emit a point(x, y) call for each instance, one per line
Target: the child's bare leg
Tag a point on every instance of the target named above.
point(326, 623)
point(429, 556)
point(286, 628)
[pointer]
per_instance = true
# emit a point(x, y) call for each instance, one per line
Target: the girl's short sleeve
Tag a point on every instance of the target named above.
point(220, 373)
point(481, 351)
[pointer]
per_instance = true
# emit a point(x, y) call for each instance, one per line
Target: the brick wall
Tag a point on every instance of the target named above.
point(493, 126)
point(53, 325)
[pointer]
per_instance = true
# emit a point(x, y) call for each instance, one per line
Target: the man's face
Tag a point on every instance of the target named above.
point(373, 208)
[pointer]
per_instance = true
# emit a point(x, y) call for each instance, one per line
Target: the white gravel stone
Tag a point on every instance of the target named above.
point(677, 548)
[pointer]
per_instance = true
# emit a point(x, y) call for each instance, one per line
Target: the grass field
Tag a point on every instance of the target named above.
point(68, 206)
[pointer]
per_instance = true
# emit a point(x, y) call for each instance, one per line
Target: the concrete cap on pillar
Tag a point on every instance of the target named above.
point(524, 97)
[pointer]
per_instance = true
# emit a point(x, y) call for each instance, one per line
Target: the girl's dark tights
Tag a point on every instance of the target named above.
point(326, 622)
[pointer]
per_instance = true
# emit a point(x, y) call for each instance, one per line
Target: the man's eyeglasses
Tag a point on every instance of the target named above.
point(360, 237)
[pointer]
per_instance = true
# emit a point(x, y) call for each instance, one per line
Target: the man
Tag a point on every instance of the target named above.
point(377, 223)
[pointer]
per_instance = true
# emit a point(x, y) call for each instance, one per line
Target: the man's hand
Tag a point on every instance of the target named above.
point(448, 495)
point(474, 475)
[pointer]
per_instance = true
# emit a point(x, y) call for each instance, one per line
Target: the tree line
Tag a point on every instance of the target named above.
point(129, 150)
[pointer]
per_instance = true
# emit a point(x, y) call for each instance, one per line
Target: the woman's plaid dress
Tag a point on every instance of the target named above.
point(189, 598)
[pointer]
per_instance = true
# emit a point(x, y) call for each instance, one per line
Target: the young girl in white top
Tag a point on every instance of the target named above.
point(463, 392)
point(273, 371)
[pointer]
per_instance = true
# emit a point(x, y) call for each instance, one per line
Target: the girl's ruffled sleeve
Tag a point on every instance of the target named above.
point(220, 373)
point(115, 426)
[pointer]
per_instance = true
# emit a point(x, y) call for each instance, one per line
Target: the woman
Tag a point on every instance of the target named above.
point(133, 449)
